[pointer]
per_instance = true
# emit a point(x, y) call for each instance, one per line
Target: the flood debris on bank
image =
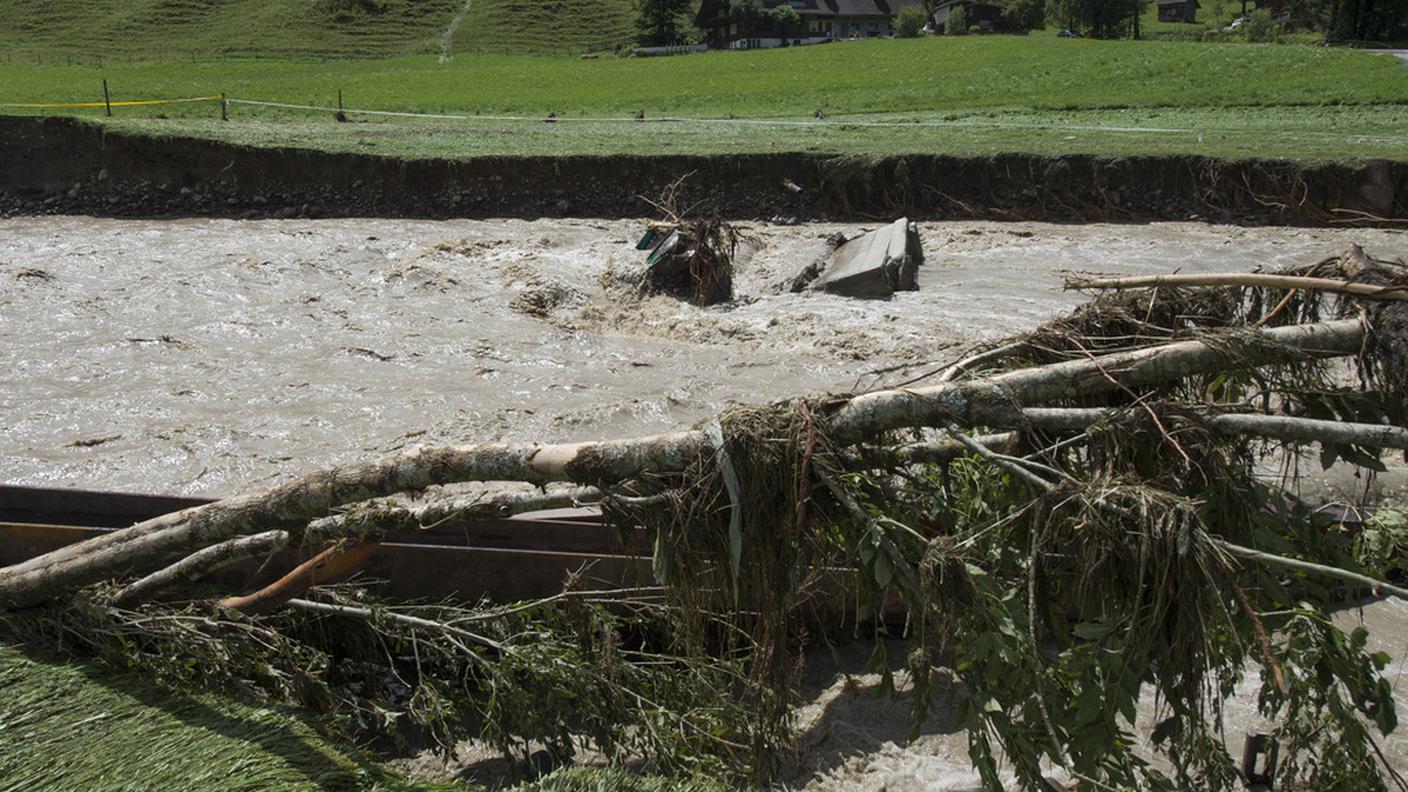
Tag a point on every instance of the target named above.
point(1063, 521)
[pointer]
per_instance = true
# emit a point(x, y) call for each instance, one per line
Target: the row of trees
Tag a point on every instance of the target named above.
point(667, 21)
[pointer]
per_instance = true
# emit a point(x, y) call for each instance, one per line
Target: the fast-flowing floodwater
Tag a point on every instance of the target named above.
point(208, 356)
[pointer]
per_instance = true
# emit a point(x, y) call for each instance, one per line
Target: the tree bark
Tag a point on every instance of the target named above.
point(329, 566)
point(162, 539)
point(997, 401)
point(368, 521)
point(1364, 291)
point(202, 563)
point(1279, 427)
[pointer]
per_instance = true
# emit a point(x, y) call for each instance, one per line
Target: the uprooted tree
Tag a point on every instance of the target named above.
point(1064, 521)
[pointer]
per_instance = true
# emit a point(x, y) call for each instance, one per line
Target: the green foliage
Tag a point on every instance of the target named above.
point(590, 779)
point(745, 13)
point(785, 19)
point(1024, 14)
point(1104, 19)
point(1260, 28)
point(662, 21)
point(1335, 693)
point(1381, 544)
point(910, 22)
point(1362, 20)
point(957, 24)
point(550, 675)
point(345, 11)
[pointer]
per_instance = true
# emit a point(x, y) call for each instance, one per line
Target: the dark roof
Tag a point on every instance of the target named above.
point(825, 8)
point(948, 3)
point(1196, 4)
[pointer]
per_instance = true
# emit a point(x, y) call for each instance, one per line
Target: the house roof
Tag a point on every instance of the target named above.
point(951, 3)
point(1196, 4)
point(828, 8)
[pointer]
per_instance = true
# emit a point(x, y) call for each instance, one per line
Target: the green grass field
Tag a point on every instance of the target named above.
point(126, 30)
point(972, 95)
point(960, 95)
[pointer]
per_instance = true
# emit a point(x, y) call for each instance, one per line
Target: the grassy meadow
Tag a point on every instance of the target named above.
point(975, 94)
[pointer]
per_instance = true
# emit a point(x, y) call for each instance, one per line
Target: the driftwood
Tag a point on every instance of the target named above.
point(363, 522)
point(329, 566)
point(1279, 427)
point(1363, 291)
point(994, 401)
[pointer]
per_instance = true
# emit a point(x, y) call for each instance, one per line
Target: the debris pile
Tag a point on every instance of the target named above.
point(1066, 519)
point(690, 260)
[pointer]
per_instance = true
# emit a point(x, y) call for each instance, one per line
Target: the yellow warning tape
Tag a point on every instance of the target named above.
point(116, 104)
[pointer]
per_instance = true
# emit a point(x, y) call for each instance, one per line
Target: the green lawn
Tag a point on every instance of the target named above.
point(973, 94)
point(939, 74)
point(74, 726)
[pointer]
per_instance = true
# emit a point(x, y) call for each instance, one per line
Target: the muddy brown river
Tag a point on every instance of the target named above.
point(203, 357)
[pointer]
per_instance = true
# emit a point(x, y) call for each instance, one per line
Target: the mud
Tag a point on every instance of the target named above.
point(851, 738)
point(204, 356)
point(58, 165)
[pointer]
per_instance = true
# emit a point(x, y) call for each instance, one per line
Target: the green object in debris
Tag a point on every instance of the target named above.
point(649, 239)
point(664, 248)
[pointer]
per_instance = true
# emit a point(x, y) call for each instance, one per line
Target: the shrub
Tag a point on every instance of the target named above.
point(957, 21)
point(1261, 28)
point(911, 21)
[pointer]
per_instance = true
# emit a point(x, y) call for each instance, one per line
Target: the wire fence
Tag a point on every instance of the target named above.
point(839, 122)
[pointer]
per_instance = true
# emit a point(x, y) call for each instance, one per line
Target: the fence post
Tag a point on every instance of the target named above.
point(107, 100)
point(339, 98)
point(224, 108)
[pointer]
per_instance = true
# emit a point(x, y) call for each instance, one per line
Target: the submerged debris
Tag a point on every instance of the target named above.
point(690, 260)
point(876, 264)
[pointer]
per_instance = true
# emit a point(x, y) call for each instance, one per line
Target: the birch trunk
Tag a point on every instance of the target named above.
point(995, 401)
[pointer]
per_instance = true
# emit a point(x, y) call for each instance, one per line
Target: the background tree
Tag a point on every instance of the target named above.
point(911, 22)
point(659, 22)
point(785, 19)
point(1024, 14)
point(1105, 19)
point(1261, 28)
point(957, 21)
point(745, 14)
point(1367, 20)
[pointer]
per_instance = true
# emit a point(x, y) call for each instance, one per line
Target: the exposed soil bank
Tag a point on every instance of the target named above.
point(60, 165)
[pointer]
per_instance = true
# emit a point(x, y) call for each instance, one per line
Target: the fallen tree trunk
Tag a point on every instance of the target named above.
point(994, 401)
point(997, 401)
point(201, 563)
point(1278, 427)
point(1363, 291)
point(162, 539)
point(363, 522)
